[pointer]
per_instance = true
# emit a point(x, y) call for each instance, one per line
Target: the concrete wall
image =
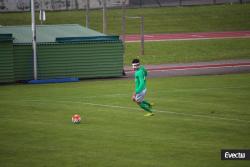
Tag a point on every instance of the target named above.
point(24, 5)
point(159, 3)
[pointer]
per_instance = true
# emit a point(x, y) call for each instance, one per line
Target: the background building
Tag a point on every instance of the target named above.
point(62, 51)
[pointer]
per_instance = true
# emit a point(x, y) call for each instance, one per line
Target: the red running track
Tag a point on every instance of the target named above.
point(190, 67)
point(188, 36)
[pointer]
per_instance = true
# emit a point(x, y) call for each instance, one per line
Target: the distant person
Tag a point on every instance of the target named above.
point(140, 87)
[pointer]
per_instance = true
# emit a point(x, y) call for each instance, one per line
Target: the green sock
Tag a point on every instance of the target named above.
point(145, 107)
point(147, 103)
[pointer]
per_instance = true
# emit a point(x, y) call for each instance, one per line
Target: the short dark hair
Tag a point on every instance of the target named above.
point(135, 61)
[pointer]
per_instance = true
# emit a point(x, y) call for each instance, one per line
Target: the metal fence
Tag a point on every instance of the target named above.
point(24, 5)
point(161, 3)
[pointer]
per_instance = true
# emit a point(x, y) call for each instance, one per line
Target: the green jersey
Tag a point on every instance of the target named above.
point(140, 79)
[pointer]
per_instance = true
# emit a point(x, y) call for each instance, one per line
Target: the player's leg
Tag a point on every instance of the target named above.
point(141, 98)
point(147, 103)
point(146, 108)
point(142, 103)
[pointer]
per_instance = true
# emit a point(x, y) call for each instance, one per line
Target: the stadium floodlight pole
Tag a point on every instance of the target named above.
point(104, 16)
point(123, 20)
point(87, 14)
point(33, 28)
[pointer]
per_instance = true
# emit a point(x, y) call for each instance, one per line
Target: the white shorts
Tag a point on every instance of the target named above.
point(139, 97)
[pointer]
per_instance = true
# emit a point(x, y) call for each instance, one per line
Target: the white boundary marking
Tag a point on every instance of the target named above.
point(187, 39)
point(149, 36)
point(197, 36)
point(132, 108)
point(195, 68)
point(203, 89)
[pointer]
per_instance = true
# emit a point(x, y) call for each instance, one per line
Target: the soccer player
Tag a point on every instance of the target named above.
point(140, 87)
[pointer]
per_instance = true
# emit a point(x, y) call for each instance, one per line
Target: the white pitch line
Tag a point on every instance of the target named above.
point(199, 36)
point(203, 89)
point(150, 36)
point(132, 108)
point(105, 95)
point(187, 39)
point(194, 68)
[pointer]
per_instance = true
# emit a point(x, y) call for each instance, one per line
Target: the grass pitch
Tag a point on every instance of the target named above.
point(196, 117)
point(207, 18)
point(188, 51)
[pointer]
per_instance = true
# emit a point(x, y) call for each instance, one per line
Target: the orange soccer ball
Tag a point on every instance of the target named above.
point(76, 119)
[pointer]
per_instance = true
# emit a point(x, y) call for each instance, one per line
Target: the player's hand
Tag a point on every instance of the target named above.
point(133, 97)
